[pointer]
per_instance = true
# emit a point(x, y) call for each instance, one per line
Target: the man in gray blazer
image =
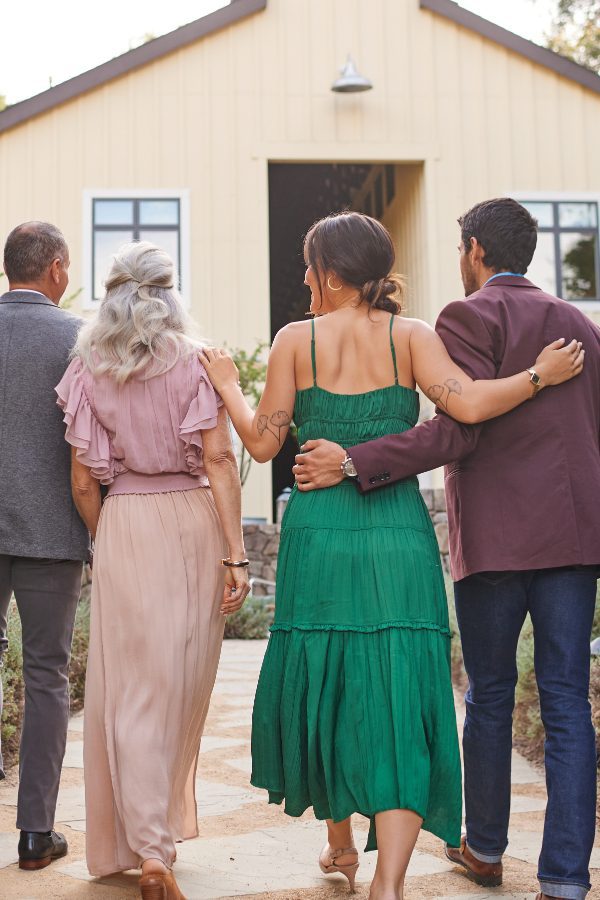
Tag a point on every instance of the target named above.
point(42, 539)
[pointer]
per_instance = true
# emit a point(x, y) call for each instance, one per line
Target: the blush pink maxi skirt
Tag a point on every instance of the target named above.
point(155, 641)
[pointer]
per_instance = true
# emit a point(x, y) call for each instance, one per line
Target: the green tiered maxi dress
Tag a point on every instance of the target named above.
point(354, 708)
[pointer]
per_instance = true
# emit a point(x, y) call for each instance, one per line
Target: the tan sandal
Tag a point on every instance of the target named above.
point(159, 885)
point(329, 866)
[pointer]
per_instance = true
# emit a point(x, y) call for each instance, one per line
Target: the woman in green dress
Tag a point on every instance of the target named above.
point(354, 708)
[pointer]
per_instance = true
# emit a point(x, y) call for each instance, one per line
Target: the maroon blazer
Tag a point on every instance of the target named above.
point(522, 490)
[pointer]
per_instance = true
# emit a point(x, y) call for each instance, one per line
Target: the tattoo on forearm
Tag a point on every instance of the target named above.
point(440, 393)
point(274, 424)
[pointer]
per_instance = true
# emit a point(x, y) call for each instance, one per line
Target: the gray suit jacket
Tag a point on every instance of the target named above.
point(37, 514)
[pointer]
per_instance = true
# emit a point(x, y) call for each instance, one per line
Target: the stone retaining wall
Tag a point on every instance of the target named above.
point(262, 543)
point(435, 501)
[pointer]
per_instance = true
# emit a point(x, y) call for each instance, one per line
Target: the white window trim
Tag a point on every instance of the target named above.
point(586, 306)
point(91, 194)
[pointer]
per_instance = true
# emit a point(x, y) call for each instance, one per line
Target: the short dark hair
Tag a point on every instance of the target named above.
point(360, 250)
point(30, 249)
point(506, 231)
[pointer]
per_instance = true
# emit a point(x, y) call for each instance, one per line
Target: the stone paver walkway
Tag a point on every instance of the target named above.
point(246, 847)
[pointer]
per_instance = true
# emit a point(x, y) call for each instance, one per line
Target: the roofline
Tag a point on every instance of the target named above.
point(540, 55)
point(127, 62)
point(240, 9)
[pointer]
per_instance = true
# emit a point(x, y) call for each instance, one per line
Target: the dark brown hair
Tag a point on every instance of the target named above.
point(506, 231)
point(360, 251)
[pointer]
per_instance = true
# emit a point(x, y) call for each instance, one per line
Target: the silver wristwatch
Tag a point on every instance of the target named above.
point(348, 468)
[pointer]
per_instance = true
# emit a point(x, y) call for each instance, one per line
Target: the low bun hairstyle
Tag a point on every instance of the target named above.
point(360, 251)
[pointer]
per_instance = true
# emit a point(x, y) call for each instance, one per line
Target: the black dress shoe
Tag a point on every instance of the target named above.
point(39, 849)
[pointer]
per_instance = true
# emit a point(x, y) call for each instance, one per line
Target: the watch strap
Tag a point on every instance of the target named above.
point(535, 380)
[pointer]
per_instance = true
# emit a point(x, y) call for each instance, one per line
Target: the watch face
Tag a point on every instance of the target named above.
point(535, 378)
point(349, 468)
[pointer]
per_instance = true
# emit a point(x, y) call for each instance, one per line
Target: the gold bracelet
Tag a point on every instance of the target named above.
point(235, 563)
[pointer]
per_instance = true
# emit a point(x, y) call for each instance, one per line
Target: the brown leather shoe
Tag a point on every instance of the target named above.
point(159, 885)
point(484, 874)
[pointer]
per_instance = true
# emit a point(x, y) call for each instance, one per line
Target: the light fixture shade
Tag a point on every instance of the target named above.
point(350, 81)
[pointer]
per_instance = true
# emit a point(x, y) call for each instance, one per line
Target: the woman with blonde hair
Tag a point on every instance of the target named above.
point(169, 563)
point(354, 709)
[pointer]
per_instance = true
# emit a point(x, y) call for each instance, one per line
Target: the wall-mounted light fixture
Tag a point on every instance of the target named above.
point(350, 81)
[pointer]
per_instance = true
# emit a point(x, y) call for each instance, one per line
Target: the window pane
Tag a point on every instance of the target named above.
point(159, 212)
point(106, 244)
point(113, 212)
point(578, 256)
point(543, 212)
point(166, 240)
point(542, 270)
point(578, 215)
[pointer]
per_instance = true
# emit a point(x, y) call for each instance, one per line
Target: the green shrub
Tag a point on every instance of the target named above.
point(252, 621)
point(458, 670)
point(12, 686)
point(79, 650)
point(527, 723)
point(12, 674)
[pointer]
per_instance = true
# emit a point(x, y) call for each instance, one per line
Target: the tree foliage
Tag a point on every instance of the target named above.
point(575, 32)
point(252, 371)
point(579, 269)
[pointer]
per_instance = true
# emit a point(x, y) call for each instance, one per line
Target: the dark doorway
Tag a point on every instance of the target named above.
point(299, 194)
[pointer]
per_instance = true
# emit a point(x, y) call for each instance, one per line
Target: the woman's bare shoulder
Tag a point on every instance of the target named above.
point(414, 327)
point(301, 327)
point(410, 322)
point(293, 333)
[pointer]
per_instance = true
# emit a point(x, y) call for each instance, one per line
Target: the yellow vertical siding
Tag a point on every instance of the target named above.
point(405, 221)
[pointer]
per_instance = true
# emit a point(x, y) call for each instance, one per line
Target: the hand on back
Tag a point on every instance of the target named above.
point(560, 362)
point(319, 465)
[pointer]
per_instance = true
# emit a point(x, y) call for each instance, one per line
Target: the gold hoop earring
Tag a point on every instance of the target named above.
point(330, 286)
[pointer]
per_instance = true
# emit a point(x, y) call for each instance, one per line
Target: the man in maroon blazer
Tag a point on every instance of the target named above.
point(523, 497)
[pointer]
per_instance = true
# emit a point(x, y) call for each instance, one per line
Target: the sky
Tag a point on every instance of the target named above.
point(71, 36)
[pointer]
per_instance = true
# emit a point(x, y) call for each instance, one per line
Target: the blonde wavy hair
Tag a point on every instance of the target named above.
point(141, 327)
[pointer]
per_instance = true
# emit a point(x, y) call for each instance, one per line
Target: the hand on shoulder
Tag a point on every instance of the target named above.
point(220, 368)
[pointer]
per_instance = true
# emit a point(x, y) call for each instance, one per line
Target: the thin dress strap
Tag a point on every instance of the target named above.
point(313, 355)
point(393, 349)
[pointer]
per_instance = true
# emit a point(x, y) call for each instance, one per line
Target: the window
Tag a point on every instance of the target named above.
point(567, 260)
point(112, 219)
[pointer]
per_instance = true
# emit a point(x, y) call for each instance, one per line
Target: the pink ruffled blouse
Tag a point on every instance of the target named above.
point(144, 436)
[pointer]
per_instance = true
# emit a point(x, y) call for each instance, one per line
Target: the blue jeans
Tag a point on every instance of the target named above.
point(491, 609)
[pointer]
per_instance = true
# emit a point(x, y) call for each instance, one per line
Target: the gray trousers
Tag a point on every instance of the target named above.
point(46, 591)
